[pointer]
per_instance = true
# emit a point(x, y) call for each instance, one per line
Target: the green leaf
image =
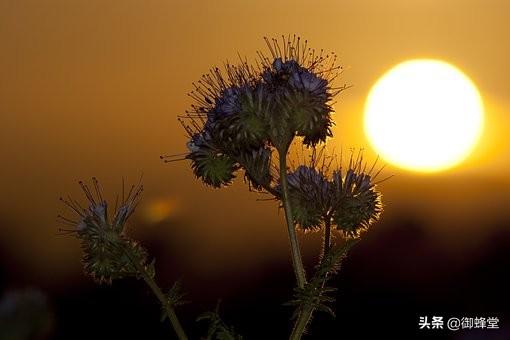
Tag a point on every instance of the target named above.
point(217, 329)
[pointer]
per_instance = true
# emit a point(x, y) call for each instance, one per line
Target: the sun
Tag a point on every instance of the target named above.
point(424, 115)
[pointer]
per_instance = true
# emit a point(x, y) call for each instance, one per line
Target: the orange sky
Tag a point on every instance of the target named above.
point(93, 87)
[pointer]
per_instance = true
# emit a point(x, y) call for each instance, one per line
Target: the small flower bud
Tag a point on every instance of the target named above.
point(108, 253)
point(213, 167)
point(257, 164)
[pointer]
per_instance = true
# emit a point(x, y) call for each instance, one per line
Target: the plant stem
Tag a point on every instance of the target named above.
point(301, 322)
point(169, 310)
point(327, 236)
point(307, 311)
point(297, 262)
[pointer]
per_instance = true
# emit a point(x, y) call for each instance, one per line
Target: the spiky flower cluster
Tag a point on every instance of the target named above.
point(240, 116)
point(347, 200)
point(108, 253)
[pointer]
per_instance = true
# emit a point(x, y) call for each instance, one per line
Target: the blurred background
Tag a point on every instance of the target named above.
point(93, 88)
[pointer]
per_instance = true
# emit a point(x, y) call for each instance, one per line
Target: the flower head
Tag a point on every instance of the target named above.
point(198, 141)
point(307, 193)
point(301, 81)
point(101, 232)
point(228, 107)
point(247, 127)
point(226, 104)
point(258, 168)
point(357, 202)
point(319, 193)
point(241, 113)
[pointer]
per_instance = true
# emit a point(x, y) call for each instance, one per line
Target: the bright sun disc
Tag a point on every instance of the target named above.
point(424, 115)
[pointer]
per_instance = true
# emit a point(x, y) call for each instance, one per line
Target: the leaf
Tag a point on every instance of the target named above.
point(175, 298)
point(176, 295)
point(315, 293)
point(217, 329)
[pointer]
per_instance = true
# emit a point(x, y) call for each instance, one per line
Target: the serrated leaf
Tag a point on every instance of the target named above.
point(217, 329)
point(315, 293)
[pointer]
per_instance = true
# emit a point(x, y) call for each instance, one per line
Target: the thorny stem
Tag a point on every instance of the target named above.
point(327, 236)
point(301, 322)
point(297, 262)
point(305, 315)
point(169, 310)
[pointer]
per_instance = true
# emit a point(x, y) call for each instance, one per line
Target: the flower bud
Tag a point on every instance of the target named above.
point(212, 166)
point(246, 127)
point(308, 190)
point(257, 164)
point(108, 253)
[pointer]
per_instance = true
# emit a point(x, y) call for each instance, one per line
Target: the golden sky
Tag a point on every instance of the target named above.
point(93, 87)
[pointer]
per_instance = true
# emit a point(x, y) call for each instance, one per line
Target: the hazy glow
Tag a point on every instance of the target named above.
point(159, 210)
point(424, 115)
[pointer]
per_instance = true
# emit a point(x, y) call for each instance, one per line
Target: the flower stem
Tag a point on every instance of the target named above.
point(169, 310)
point(306, 312)
point(301, 322)
point(297, 262)
point(327, 236)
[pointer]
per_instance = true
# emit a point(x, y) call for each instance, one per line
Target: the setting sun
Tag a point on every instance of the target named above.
point(424, 115)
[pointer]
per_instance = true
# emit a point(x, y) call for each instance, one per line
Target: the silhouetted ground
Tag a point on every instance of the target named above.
point(390, 279)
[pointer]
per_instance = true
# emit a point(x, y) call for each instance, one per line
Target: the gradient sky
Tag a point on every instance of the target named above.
point(93, 87)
